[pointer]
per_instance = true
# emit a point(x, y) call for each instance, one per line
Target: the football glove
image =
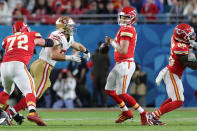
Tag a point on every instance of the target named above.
point(86, 55)
point(76, 57)
point(160, 76)
point(191, 55)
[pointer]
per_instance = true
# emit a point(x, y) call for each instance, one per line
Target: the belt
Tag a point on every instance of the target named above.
point(125, 61)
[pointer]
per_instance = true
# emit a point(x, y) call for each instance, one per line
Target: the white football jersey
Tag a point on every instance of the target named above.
point(58, 36)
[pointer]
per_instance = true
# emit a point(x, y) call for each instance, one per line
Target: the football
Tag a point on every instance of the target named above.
point(104, 48)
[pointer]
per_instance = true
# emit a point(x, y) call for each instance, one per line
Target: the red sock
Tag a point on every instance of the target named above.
point(166, 101)
point(128, 99)
point(31, 100)
point(170, 106)
point(4, 97)
point(114, 96)
point(20, 105)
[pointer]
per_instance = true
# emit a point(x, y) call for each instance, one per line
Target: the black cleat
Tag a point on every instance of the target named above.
point(19, 118)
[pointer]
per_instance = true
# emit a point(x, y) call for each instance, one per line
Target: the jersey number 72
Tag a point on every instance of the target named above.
point(20, 40)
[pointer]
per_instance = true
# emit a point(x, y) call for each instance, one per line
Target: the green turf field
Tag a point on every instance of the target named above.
point(103, 120)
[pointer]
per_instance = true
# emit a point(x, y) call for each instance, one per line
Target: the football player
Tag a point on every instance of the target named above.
point(181, 42)
point(119, 77)
point(41, 68)
point(19, 49)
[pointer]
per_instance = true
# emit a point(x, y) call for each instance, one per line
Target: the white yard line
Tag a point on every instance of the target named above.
point(81, 119)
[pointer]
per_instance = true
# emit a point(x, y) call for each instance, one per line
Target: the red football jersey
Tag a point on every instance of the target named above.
point(20, 47)
point(175, 66)
point(126, 33)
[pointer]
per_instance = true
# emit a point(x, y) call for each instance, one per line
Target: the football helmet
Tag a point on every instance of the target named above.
point(20, 26)
point(128, 12)
point(5, 119)
point(184, 33)
point(65, 24)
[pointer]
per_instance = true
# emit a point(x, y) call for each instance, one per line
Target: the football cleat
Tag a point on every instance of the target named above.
point(19, 118)
point(152, 121)
point(143, 118)
point(33, 117)
point(149, 119)
point(125, 115)
point(158, 122)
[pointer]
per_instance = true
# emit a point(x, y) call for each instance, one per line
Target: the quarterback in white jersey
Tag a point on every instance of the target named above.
point(41, 68)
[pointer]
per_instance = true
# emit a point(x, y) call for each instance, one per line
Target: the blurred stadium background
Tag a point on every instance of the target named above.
point(97, 18)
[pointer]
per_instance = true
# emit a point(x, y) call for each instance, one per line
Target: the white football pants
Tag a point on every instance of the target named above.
point(16, 72)
point(120, 76)
point(174, 86)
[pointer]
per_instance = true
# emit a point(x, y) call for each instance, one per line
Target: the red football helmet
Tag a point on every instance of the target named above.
point(184, 33)
point(129, 12)
point(20, 26)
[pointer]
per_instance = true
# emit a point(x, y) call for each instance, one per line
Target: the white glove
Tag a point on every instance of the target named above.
point(193, 44)
point(191, 55)
point(76, 57)
point(160, 76)
point(86, 55)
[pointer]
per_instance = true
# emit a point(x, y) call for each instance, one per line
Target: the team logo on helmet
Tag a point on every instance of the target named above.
point(129, 13)
point(184, 33)
point(65, 24)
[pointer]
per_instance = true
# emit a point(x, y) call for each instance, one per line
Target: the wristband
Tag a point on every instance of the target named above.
point(68, 57)
point(114, 44)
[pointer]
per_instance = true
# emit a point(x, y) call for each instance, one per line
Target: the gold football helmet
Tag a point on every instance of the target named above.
point(65, 24)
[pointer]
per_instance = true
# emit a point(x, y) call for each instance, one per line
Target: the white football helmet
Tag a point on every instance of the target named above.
point(5, 119)
point(65, 24)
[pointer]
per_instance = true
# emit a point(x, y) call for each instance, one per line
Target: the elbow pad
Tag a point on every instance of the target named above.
point(49, 43)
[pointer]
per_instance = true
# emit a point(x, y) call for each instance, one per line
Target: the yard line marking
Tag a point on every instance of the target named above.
point(81, 119)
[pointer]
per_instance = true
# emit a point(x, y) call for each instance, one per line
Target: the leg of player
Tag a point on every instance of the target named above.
point(175, 91)
point(25, 83)
point(110, 90)
point(122, 82)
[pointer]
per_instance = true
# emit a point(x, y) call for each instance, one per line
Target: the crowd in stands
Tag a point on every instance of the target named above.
point(46, 11)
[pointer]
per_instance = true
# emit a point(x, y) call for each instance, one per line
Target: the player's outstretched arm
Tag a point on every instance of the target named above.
point(57, 56)
point(46, 42)
point(79, 47)
point(191, 64)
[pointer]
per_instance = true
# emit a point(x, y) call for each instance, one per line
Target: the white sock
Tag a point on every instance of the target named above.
point(124, 108)
point(13, 110)
point(154, 114)
point(140, 110)
point(31, 108)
